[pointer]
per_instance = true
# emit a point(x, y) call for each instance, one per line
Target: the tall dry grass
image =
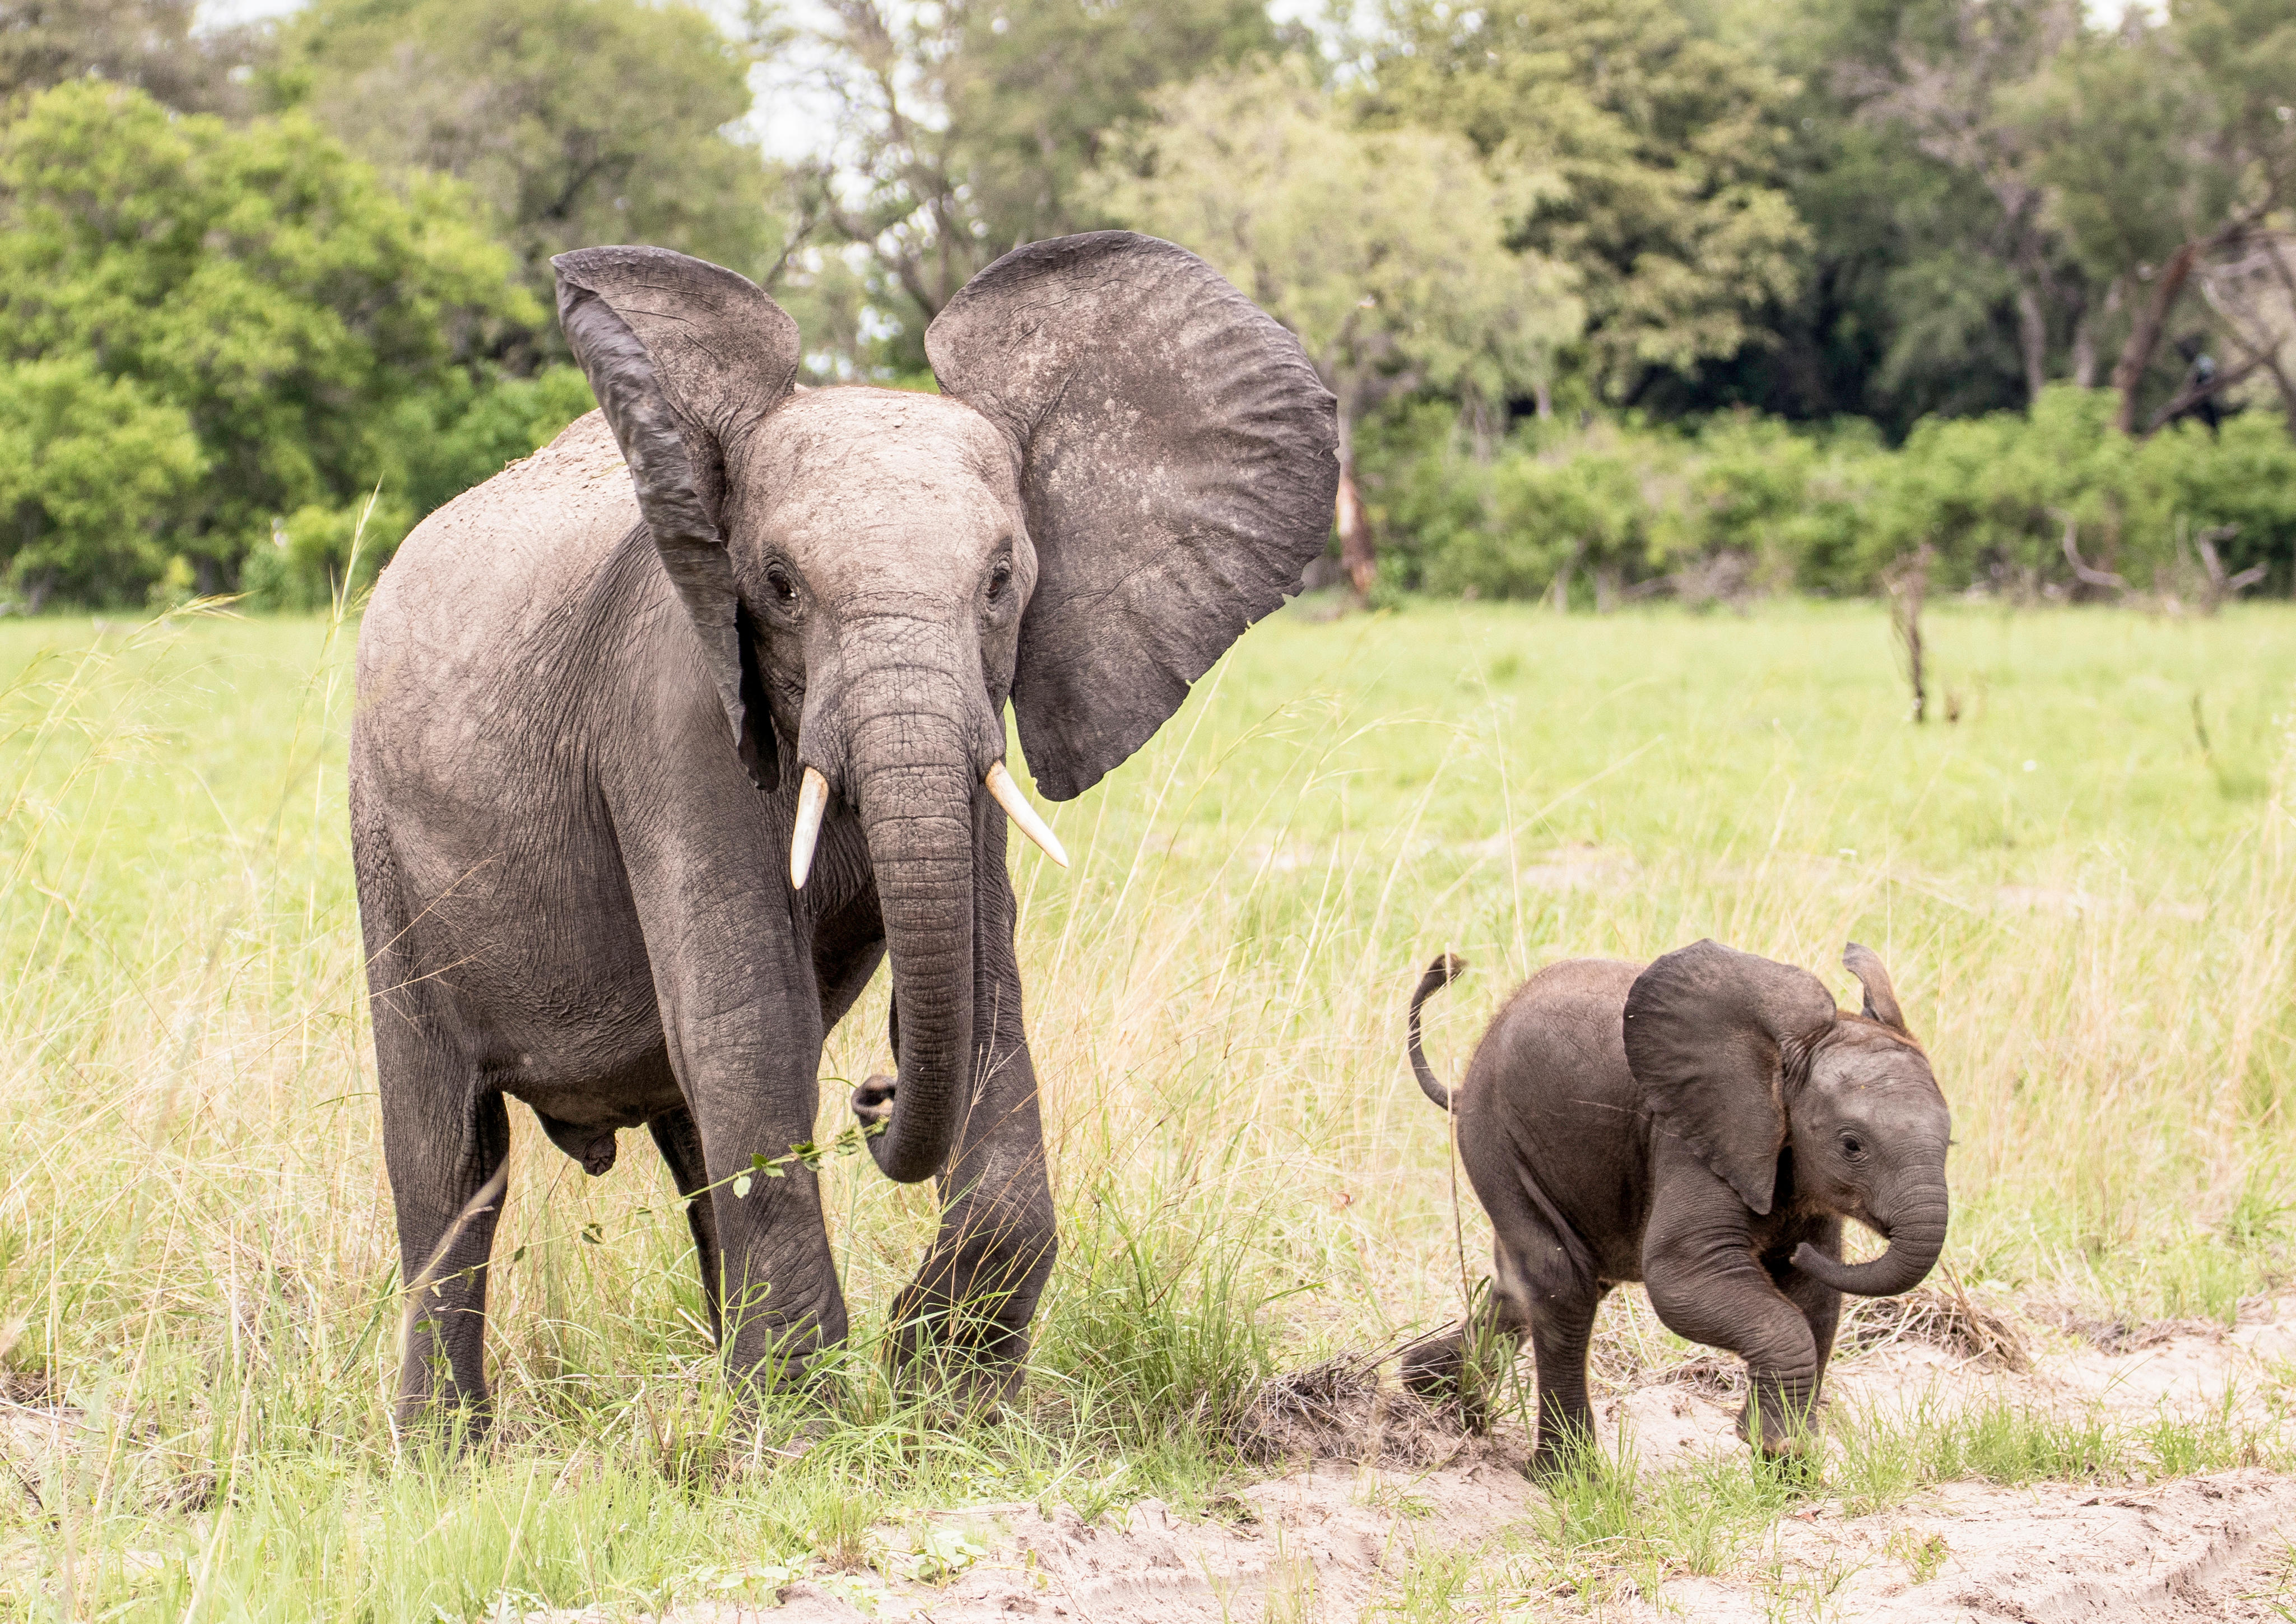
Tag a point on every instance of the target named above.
point(2086, 906)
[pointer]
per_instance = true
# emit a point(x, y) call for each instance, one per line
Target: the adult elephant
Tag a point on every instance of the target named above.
point(669, 734)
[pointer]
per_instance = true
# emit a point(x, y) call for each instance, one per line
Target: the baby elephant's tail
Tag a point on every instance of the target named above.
point(1438, 976)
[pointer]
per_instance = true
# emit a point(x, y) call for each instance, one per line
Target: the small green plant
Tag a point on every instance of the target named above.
point(1923, 1554)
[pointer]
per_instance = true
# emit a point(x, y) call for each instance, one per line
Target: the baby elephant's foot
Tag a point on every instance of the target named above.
point(1788, 1422)
point(1437, 1372)
point(1565, 1449)
point(1431, 1368)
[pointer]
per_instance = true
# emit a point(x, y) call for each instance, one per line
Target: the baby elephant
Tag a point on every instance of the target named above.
point(1702, 1124)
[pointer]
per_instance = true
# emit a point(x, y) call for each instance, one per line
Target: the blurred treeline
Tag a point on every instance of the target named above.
point(1618, 296)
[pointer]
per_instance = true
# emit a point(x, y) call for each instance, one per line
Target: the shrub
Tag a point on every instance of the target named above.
point(1756, 501)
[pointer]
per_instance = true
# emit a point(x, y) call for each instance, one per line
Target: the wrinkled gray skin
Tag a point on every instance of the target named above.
point(587, 690)
point(1702, 1124)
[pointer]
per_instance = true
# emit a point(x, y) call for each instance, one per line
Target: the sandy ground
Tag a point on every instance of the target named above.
point(1334, 1542)
point(1387, 1516)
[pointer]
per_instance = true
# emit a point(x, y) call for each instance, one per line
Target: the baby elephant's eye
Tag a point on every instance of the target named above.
point(1852, 1146)
point(783, 588)
point(1000, 577)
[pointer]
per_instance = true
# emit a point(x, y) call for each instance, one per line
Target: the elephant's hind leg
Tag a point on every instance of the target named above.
point(446, 1140)
point(1562, 1326)
point(679, 1140)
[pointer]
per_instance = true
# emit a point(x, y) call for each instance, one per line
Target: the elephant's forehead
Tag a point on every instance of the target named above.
point(1859, 1059)
point(860, 459)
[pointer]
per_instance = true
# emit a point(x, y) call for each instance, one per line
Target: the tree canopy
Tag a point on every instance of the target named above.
point(254, 285)
point(258, 287)
point(574, 122)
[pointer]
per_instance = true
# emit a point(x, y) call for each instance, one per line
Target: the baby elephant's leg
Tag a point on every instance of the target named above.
point(1820, 1304)
point(1706, 1286)
point(1538, 1288)
point(1470, 1361)
point(1562, 1322)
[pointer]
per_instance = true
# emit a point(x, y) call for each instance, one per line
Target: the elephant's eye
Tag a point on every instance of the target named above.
point(783, 588)
point(1000, 577)
point(1852, 1146)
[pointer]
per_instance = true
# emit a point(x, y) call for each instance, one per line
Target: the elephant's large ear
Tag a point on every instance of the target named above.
point(1178, 460)
point(684, 357)
point(1707, 1031)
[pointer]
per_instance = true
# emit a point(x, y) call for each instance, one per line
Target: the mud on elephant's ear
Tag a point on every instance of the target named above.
point(684, 357)
point(1177, 458)
point(1707, 1031)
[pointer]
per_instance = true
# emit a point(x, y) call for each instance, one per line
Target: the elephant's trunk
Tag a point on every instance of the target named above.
point(914, 779)
point(1916, 1230)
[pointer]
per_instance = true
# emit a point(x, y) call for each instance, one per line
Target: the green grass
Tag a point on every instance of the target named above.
point(2091, 919)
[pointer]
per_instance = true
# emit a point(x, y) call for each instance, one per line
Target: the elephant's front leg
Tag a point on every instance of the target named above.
point(1818, 1303)
point(742, 1023)
point(1707, 1285)
point(972, 1300)
point(778, 1293)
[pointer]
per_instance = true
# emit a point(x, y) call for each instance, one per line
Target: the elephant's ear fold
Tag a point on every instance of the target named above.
point(684, 357)
point(1178, 460)
point(1708, 1029)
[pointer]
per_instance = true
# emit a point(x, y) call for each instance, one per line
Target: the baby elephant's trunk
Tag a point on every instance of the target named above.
point(1438, 976)
point(1917, 1237)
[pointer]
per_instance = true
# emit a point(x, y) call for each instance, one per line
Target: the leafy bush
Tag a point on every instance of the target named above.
point(88, 465)
point(320, 555)
point(253, 285)
point(1752, 503)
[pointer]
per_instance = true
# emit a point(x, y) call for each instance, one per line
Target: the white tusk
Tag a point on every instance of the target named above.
point(812, 801)
point(1024, 815)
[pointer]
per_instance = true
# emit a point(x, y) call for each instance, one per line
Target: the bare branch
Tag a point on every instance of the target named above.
point(2087, 576)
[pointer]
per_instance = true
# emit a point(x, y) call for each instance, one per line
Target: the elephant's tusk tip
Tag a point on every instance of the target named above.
point(812, 803)
point(1025, 818)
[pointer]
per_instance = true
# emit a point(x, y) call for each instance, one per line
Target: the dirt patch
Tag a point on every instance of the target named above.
point(1387, 1511)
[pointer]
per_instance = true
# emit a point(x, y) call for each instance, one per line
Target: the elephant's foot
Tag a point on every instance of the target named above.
point(452, 1421)
point(1787, 1417)
point(960, 1371)
point(1451, 1369)
point(1432, 1369)
point(1565, 1446)
point(767, 1442)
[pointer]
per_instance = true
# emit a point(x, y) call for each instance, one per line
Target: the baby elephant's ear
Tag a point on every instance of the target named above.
point(1707, 1028)
point(1881, 997)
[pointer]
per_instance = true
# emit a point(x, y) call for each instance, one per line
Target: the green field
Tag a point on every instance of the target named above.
point(2084, 887)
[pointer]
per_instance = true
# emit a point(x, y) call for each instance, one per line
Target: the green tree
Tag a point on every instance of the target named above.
point(574, 122)
point(1906, 305)
point(966, 126)
point(1643, 155)
point(89, 468)
point(2161, 147)
point(148, 44)
point(258, 280)
point(1379, 248)
point(1955, 75)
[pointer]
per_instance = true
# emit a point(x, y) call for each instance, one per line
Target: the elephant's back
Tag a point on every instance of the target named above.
point(1571, 1015)
point(486, 575)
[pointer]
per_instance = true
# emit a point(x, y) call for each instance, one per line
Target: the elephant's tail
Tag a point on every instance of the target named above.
point(1439, 976)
